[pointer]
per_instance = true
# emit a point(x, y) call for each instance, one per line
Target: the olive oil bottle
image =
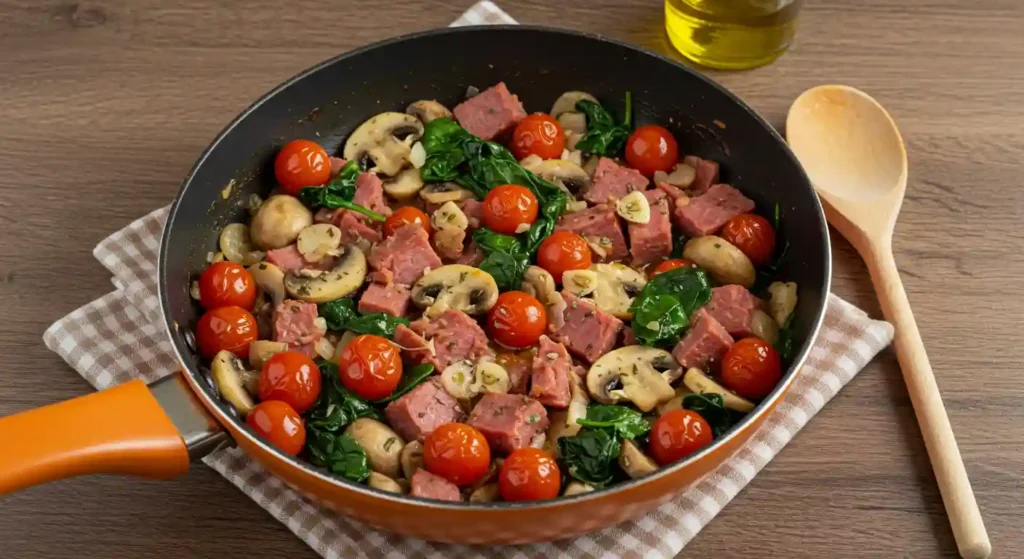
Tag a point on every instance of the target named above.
point(731, 34)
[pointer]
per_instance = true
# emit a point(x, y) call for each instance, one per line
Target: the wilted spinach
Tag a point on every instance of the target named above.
point(337, 313)
point(712, 408)
point(338, 193)
point(624, 422)
point(506, 258)
point(785, 344)
point(661, 313)
point(604, 136)
point(591, 455)
point(340, 315)
point(411, 378)
point(327, 445)
point(339, 454)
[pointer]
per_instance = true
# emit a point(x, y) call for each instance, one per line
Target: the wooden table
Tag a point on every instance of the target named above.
point(104, 105)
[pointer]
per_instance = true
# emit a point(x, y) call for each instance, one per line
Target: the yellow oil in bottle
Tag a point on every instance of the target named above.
point(731, 34)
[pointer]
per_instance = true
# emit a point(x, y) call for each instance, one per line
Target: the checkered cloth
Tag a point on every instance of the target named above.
point(120, 337)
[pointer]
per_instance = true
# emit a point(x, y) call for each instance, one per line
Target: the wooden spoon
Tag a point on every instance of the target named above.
point(855, 158)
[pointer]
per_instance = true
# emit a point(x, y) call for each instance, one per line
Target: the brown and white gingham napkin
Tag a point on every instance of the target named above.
point(120, 337)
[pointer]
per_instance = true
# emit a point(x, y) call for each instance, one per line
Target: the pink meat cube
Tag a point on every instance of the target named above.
point(613, 181)
point(600, 226)
point(391, 298)
point(588, 331)
point(733, 307)
point(490, 113)
point(508, 421)
point(295, 324)
point(416, 414)
point(708, 212)
point(451, 337)
point(706, 173)
point(429, 486)
point(407, 254)
point(704, 344)
point(551, 369)
point(650, 242)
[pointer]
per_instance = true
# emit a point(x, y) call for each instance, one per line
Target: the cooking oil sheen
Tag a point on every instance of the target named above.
point(731, 34)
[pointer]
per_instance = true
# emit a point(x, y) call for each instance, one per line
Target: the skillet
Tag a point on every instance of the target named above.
point(156, 430)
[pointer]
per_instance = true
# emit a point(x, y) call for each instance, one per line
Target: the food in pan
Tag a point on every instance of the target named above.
point(480, 304)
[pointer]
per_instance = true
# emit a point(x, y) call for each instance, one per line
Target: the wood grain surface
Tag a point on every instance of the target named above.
point(104, 105)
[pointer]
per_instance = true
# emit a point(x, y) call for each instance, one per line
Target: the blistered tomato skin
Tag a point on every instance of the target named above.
point(226, 328)
point(301, 163)
point(370, 366)
point(517, 320)
point(751, 368)
point(291, 377)
point(279, 424)
point(529, 474)
point(458, 453)
point(538, 134)
point(668, 265)
point(753, 235)
point(403, 216)
point(509, 209)
point(226, 284)
point(652, 148)
point(563, 251)
point(677, 434)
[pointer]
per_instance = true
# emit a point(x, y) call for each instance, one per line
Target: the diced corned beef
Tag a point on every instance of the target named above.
point(708, 212)
point(353, 225)
point(370, 193)
point(454, 336)
point(550, 379)
point(652, 241)
point(288, 258)
point(508, 421)
point(336, 164)
point(407, 254)
point(672, 191)
point(733, 306)
point(704, 344)
point(471, 254)
point(706, 175)
point(600, 226)
point(391, 298)
point(429, 486)
point(518, 374)
point(295, 325)
point(628, 338)
point(588, 331)
point(491, 112)
point(613, 181)
point(474, 210)
point(416, 414)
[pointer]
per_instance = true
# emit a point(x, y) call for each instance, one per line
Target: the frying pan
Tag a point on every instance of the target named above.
point(156, 430)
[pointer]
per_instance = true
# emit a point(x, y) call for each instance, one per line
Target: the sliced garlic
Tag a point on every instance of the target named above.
point(418, 155)
point(462, 380)
point(324, 348)
point(317, 240)
point(236, 244)
point(575, 206)
point(457, 379)
point(580, 282)
point(634, 208)
point(783, 301)
point(491, 377)
point(449, 215)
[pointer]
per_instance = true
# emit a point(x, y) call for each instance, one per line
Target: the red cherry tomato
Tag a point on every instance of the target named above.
point(529, 474)
point(290, 377)
point(667, 265)
point(457, 452)
point(517, 320)
point(652, 148)
point(563, 251)
point(404, 216)
point(301, 163)
point(753, 235)
point(538, 134)
point(370, 366)
point(226, 284)
point(279, 424)
point(751, 368)
point(508, 207)
point(678, 434)
point(230, 328)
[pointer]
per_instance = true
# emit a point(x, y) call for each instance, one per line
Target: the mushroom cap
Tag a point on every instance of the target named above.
point(441, 192)
point(566, 102)
point(697, 381)
point(455, 286)
point(639, 374)
point(278, 222)
point(227, 370)
point(634, 462)
point(427, 110)
point(270, 280)
point(382, 144)
point(404, 185)
point(612, 287)
point(342, 280)
point(565, 174)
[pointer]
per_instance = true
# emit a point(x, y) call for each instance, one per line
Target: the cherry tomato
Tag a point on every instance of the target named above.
point(403, 216)
point(457, 452)
point(291, 377)
point(667, 265)
point(226, 284)
point(678, 434)
point(563, 251)
point(370, 366)
point(753, 235)
point(279, 424)
point(301, 163)
point(652, 148)
point(517, 320)
point(230, 328)
point(529, 474)
point(538, 134)
point(751, 368)
point(508, 207)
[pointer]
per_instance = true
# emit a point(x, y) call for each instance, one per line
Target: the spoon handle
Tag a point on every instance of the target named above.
point(961, 507)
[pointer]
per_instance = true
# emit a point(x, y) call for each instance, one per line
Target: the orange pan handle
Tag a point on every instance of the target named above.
point(121, 430)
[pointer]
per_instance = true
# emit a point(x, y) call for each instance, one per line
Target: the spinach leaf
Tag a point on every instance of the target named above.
point(340, 315)
point(661, 313)
point(712, 408)
point(624, 422)
point(785, 344)
point(411, 378)
point(337, 407)
point(337, 313)
point(603, 136)
point(506, 258)
point(591, 455)
point(338, 193)
point(678, 244)
point(339, 454)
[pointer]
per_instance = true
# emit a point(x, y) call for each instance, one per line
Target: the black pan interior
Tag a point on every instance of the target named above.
point(330, 100)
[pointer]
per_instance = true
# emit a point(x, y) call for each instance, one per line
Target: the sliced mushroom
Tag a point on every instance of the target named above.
point(590, 165)
point(270, 280)
point(236, 245)
point(723, 261)
point(567, 102)
point(764, 326)
point(634, 208)
point(384, 483)
point(697, 381)
point(342, 280)
point(783, 301)
point(572, 156)
point(676, 403)
point(573, 121)
point(441, 192)
point(279, 221)
point(455, 286)
point(576, 488)
point(463, 380)
point(563, 423)
point(383, 143)
point(580, 282)
point(427, 110)
point(541, 284)
point(382, 444)
point(489, 493)
point(639, 374)
point(567, 175)
point(227, 371)
point(612, 287)
point(261, 350)
point(411, 458)
point(634, 462)
point(318, 241)
point(404, 185)
point(449, 215)
point(682, 176)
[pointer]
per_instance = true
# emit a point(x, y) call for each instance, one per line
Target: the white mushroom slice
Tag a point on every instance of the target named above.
point(580, 282)
point(573, 121)
point(567, 102)
point(411, 458)
point(441, 192)
point(489, 493)
point(639, 374)
point(576, 488)
point(612, 287)
point(227, 371)
point(723, 261)
point(697, 381)
point(270, 280)
point(462, 380)
point(634, 462)
point(676, 403)
point(449, 215)
point(564, 423)
point(427, 110)
point(567, 175)
point(404, 185)
point(261, 350)
point(634, 208)
point(455, 286)
point(384, 483)
point(279, 221)
point(381, 443)
point(237, 246)
point(590, 165)
point(682, 176)
point(342, 280)
point(317, 241)
point(783, 301)
point(600, 245)
point(764, 326)
point(530, 161)
point(541, 284)
point(383, 143)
